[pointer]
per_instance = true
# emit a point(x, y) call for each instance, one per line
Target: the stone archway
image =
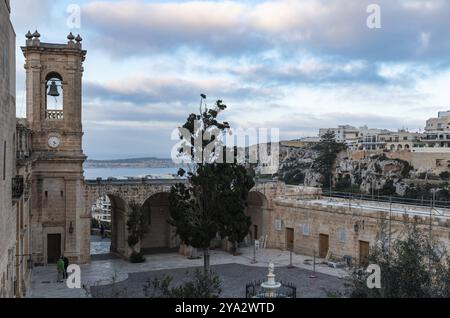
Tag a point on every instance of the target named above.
point(257, 203)
point(119, 209)
point(117, 232)
point(160, 236)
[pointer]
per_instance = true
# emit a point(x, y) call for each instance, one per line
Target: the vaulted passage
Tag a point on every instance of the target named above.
point(256, 204)
point(160, 236)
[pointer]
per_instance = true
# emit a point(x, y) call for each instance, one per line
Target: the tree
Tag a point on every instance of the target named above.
point(137, 225)
point(95, 224)
point(388, 188)
point(413, 267)
point(328, 149)
point(214, 199)
point(444, 175)
point(204, 285)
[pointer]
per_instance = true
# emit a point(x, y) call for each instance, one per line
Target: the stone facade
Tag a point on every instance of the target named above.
point(344, 226)
point(8, 215)
point(58, 221)
point(152, 196)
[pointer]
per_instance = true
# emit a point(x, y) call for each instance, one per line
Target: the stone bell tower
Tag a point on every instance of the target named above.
point(54, 107)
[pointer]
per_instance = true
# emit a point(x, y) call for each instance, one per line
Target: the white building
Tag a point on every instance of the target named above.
point(437, 132)
point(344, 133)
point(101, 211)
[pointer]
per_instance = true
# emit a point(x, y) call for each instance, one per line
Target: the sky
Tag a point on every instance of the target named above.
point(295, 65)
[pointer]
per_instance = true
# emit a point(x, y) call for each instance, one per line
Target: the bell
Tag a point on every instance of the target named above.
point(53, 91)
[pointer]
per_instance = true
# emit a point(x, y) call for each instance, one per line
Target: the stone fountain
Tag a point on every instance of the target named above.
point(271, 286)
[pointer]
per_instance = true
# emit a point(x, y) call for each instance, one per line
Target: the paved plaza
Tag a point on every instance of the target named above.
point(100, 246)
point(234, 271)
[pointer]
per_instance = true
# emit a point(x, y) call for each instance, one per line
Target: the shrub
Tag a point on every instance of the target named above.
point(444, 175)
point(204, 285)
point(136, 258)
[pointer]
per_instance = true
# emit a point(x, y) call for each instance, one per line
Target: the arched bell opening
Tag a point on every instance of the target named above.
point(54, 90)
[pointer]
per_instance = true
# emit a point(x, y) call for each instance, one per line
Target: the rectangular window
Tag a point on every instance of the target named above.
point(278, 225)
point(306, 230)
point(342, 235)
point(4, 161)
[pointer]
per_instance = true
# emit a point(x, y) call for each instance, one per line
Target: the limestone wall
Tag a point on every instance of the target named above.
point(345, 226)
point(7, 153)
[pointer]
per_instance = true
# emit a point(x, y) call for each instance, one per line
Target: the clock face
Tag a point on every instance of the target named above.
point(54, 142)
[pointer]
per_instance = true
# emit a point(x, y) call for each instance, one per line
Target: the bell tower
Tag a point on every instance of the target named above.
point(54, 108)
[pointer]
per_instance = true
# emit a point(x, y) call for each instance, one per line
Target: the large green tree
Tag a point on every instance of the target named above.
point(213, 200)
point(328, 149)
point(413, 267)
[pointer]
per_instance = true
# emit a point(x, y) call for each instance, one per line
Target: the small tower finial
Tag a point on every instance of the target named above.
point(71, 37)
point(78, 38)
point(29, 36)
point(36, 34)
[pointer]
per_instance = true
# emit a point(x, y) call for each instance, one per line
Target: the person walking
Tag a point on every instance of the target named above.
point(60, 268)
point(66, 265)
point(102, 230)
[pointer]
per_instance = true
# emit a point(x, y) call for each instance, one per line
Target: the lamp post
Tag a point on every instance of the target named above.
point(313, 275)
point(291, 265)
point(255, 246)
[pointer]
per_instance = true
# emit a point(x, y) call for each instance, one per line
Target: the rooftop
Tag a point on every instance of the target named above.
point(374, 206)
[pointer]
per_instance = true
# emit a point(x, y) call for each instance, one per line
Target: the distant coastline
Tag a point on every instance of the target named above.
point(131, 163)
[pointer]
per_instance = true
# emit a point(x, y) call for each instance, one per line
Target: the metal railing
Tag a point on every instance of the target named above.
point(255, 290)
point(388, 199)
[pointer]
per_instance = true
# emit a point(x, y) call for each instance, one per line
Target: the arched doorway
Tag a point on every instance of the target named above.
point(256, 204)
point(161, 236)
point(108, 215)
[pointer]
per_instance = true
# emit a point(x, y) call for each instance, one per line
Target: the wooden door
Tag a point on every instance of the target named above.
point(363, 254)
point(323, 245)
point(289, 239)
point(53, 248)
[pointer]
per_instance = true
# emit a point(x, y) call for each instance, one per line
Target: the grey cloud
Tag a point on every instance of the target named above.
point(174, 90)
point(334, 27)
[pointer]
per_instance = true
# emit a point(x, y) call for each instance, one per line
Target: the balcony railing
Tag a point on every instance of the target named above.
point(54, 114)
point(22, 154)
point(17, 187)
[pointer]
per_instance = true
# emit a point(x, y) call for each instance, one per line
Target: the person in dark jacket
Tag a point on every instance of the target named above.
point(66, 265)
point(102, 230)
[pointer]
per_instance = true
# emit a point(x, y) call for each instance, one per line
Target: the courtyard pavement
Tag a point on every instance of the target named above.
point(235, 272)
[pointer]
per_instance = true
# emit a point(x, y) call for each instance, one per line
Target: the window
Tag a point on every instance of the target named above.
point(4, 160)
point(342, 235)
point(279, 225)
point(4, 61)
point(306, 230)
point(54, 96)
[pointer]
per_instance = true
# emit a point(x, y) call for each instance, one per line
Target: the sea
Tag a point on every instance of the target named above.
point(125, 173)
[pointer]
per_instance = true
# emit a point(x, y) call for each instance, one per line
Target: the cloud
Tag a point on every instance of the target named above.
point(141, 90)
point(235, 28)
point(30, 13)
